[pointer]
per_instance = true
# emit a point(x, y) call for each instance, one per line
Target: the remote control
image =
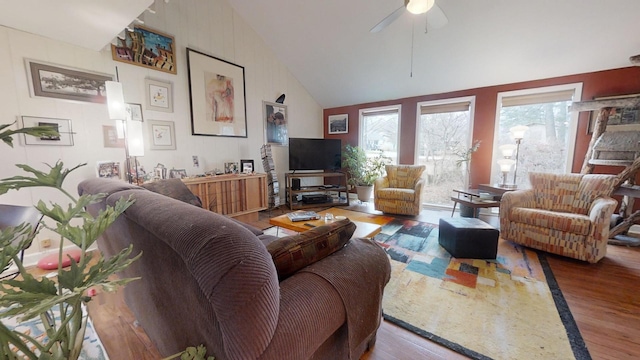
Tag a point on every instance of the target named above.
point(309, 225)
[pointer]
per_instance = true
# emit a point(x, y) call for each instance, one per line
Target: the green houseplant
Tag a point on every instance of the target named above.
point(26, 297)
point(363, 170)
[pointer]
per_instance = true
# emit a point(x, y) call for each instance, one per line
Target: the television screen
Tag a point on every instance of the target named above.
point(315, 154)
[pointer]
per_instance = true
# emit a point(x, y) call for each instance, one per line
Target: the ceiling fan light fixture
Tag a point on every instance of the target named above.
point(419, 6)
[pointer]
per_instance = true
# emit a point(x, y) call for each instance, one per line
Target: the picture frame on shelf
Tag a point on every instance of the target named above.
point(159, 95)
point(158, 52)
point(217, 96)
point(66, 83)
point(338, 124)
point(108, 169)
point(231, 168)
point(178, 174)
point(134, 112)
point(63, 126)
point(620, 119)
point(162, 135)
point(275, 123)
point(110, 137)
point(246, 166)
point(160, 172)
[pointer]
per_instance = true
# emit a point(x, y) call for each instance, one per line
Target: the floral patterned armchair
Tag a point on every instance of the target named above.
point(564, 214)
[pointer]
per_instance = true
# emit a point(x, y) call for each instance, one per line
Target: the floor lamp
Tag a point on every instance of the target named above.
point(517, 132)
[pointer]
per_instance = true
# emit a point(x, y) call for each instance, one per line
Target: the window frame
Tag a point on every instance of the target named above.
point(390, 108)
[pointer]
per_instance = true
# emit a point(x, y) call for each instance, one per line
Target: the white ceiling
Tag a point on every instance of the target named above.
point(87, 23)
point(328, 47)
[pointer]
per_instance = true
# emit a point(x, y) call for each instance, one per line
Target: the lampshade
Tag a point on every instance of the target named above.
point(505, 164)
point(419, 6)
point(134, 138)
point(518, 131)
point(507, 150)
point(115, 100)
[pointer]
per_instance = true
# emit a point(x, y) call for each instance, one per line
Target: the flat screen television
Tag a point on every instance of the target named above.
point(315, 154)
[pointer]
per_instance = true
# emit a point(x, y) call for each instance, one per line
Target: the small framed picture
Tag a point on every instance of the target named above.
point(159, 95)
point(338, 124)
point(110, 137)
point(231, 168)
point(134, 112)
point(246, 166)
point(178, 173)
point(62, 126)
point(275, 120)
point(108, 169)
point(160, 171)
point(162, 135)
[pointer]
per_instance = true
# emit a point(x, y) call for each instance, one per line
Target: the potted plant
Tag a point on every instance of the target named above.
point(464, 158)
point(363, 170)
point(26, 297)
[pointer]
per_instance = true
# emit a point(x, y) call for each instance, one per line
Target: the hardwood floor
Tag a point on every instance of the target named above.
point(604, 299)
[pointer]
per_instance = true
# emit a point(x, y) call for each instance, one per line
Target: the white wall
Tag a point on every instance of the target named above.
point(211, 27)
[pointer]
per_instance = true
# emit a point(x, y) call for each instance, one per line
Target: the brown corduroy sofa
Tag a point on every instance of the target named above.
point(207, 279)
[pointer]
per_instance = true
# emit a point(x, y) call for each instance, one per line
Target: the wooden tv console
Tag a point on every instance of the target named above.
point(236, 195)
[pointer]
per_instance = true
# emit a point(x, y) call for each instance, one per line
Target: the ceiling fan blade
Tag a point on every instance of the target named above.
point(388, 20)
point(436, 17)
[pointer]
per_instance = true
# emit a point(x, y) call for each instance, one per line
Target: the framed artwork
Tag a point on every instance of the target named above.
point(217, 96)
point(338, 124)
point(160, 171)
point(159, 95)
point(110, 137)
point(63, 126)
point(275, 120)
point(231, 168)
point(246, 166)
point(620, 119)
point(108, 169)
point(162, 134)
point(134, 112)
point(177, 173)
point(61, 82)
point(147, 48)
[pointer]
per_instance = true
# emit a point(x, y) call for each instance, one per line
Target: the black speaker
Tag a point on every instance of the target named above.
point(295, 184)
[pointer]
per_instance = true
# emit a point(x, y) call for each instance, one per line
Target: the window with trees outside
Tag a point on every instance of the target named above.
point(443, 140)
point(548, 143)
point(379, 129)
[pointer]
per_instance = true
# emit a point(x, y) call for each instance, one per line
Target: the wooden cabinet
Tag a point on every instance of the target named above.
point(335, 192)
point(236, 195)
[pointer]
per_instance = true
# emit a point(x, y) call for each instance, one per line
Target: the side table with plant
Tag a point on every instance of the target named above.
point(363, 170)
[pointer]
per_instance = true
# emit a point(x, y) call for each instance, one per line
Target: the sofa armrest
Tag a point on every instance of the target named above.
point(512, 199)
point(600, 215)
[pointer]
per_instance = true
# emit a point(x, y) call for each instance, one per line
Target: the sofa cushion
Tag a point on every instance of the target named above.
point(567, 222)
point(396, 194)
point(293, 253)
point(173, 188)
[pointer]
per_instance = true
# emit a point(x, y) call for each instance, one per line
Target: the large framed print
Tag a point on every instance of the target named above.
point(147, 48)
point(63, 126)
point(162, 135)
point(217, 96)
point(61, 82)
point(620, 119)
point(275, 120)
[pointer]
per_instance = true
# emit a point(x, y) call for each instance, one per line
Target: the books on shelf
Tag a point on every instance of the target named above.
point(303, 216)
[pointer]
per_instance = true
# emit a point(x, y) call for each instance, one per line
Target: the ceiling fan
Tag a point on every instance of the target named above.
point(435, 17)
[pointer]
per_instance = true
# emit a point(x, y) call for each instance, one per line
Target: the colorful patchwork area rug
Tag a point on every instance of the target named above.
point(508, 308)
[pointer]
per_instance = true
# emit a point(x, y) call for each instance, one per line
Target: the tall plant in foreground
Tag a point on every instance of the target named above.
point(26, 297)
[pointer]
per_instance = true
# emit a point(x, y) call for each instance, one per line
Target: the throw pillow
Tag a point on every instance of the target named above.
point(292, 253)
point(173, 188)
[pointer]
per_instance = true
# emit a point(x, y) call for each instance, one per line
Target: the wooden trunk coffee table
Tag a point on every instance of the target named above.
point(367, 225)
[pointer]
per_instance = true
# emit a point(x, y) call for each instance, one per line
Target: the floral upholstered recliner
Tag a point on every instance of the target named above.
point(564, 214)
point(399, 191)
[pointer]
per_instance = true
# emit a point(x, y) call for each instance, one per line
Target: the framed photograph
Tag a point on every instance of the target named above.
point(134, 112)
point(275, 123)
point(110, 137)
point(61, 82)
point(162, 134)
point(620, 119)
point(108, 169)
point(338, 124)
point(231, 168)
point(159, 95)
point(147, 48)
point(160, 171)
point(63, 126)
point(246, 166)
point(217, 96)
point(178, 174)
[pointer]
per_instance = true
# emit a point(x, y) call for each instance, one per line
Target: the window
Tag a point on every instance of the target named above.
point(443, 136)
point(379, 129)
point(547, 145)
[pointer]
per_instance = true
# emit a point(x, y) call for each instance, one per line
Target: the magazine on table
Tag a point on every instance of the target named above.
point(303, 215)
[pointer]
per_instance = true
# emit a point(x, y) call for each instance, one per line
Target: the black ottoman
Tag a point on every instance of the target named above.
point(468, 238)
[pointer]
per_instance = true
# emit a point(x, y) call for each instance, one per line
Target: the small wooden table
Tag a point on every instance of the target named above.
point(471, 198)
point(367, 225)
